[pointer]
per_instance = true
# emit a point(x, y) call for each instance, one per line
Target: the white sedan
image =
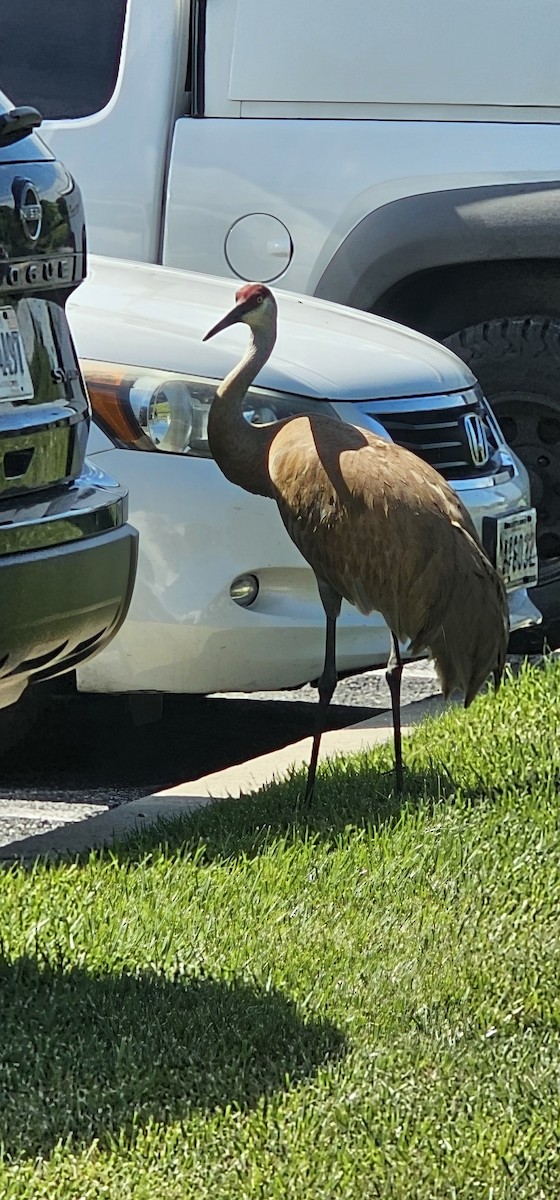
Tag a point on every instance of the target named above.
point(223, 601)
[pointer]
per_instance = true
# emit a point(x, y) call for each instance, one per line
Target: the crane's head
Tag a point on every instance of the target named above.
point(254, 305)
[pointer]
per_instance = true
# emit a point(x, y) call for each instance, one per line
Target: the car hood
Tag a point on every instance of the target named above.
point(156, 317)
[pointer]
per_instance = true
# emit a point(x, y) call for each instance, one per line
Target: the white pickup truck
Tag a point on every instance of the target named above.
point(399, 158)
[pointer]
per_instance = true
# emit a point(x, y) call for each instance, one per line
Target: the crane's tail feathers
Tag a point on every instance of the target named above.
point(470, 642)
point(497, 675)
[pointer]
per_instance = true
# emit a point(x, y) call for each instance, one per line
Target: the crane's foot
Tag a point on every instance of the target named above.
point(393, 676)
point(327, 683)
point(312, 769)
point(308, 795)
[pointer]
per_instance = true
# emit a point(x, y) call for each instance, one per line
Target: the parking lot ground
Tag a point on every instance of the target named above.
point(67, 830)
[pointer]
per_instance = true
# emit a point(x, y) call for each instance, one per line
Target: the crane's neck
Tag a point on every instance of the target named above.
point(241, 449)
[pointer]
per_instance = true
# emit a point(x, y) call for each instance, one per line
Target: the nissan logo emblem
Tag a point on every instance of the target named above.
point(28, 208)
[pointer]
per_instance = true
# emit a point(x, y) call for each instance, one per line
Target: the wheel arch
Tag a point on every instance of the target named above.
point(442, 260)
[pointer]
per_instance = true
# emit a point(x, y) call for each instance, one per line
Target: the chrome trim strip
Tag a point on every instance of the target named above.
point(439, 445)
point(410, 404)
point(34, 418)
point(487, 481)
point(87, 519)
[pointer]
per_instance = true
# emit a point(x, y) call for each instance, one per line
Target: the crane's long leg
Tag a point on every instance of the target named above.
point(393, 676)
point(327, 682)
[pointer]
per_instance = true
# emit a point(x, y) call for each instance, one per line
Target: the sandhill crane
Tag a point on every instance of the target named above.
point(379, 527)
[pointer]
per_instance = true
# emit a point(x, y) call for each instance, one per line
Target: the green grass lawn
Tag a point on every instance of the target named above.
point(358, 1002)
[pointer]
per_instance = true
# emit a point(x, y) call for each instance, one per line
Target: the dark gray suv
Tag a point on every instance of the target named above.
point(67, 556)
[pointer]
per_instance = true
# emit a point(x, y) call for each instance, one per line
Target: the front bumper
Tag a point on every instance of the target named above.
point(198, 533)
point(67, 569)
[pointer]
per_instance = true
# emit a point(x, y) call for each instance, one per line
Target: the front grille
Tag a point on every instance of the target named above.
point(437, 430)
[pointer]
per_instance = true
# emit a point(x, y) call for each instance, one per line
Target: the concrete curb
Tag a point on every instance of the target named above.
point(105, 826)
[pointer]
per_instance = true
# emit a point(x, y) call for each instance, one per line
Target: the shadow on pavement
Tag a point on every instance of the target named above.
point(86, 749)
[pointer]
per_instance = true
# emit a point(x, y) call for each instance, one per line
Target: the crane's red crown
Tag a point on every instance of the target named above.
point(252, 294)
point(248, 300)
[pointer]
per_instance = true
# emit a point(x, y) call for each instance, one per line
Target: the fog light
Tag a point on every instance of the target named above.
point(244, 590)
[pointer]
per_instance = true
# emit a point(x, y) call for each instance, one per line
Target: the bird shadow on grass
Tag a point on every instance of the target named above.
point(88, 1057)
point(347, 794)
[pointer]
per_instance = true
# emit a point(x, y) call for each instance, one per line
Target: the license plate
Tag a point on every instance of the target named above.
point(512, 543)
point(15, 380)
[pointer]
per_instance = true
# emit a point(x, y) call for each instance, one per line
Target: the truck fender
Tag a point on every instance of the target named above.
point(438, 229)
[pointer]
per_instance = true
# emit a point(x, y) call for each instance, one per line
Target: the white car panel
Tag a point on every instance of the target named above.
point(157, 317)
point(198, 532)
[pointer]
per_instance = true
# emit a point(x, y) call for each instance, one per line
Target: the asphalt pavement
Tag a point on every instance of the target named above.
point(85, 756)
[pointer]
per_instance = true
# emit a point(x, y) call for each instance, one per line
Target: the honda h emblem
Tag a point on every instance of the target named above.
point(477, 439)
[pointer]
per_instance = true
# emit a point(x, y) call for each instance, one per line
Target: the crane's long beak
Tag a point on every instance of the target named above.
point(232, 318)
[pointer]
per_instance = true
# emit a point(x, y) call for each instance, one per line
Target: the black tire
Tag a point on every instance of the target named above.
point(517, 360)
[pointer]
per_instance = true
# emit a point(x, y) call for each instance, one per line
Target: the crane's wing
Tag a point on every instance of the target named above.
point(386, 532)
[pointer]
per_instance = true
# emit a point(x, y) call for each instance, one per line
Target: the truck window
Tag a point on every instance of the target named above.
point(467, 52)
point(62, 56)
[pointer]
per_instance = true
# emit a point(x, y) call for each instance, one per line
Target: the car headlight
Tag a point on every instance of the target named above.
point(143, 409)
